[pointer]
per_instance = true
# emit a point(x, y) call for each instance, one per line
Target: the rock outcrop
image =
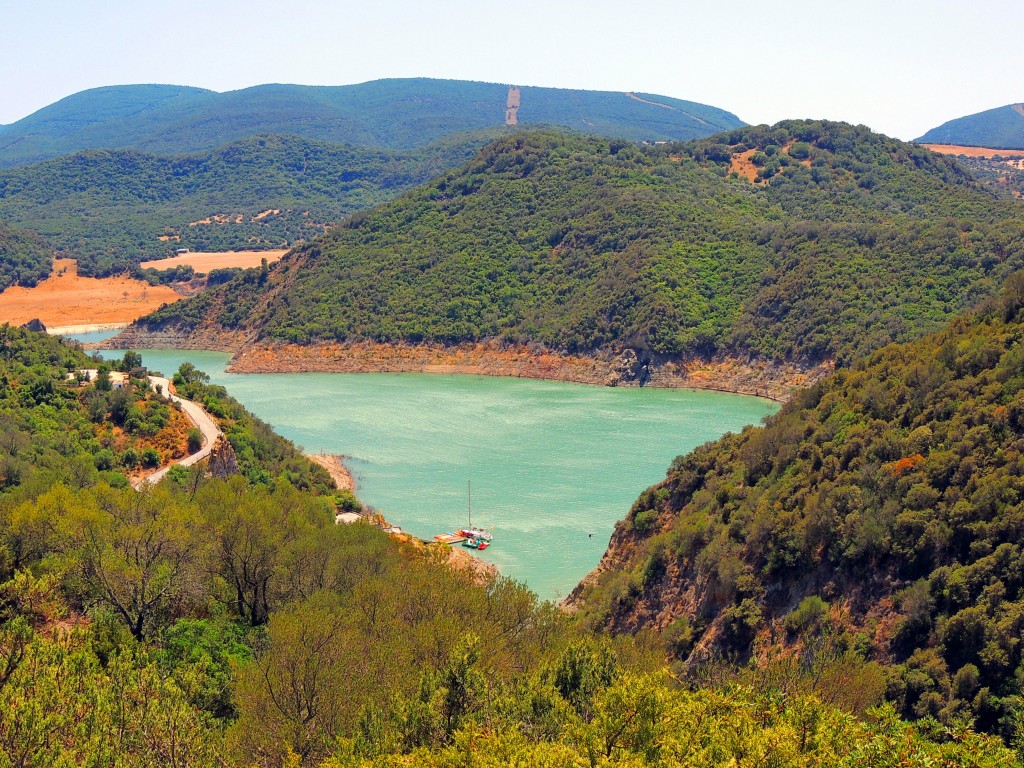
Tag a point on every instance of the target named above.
point(775, 381)
point(223, 462)
point(138, 337)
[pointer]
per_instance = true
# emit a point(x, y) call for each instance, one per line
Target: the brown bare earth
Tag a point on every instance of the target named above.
point(335, 465)
point(459, 560)
point(512, 105)
point(171, 442)
point(988, 154)
point(219, 218)
point(204, 262)
point(476, 570)
point(742, 165)
point(65, 299)
point(759, 378)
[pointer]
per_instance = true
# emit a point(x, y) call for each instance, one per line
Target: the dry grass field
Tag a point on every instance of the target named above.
point(954, 149)
point(65, 299)
point(204, 262)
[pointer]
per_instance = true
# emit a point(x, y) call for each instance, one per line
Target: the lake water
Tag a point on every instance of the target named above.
point(553, 465)
point(93, 336)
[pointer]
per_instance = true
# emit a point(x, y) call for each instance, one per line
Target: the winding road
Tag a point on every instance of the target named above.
point(203, 421)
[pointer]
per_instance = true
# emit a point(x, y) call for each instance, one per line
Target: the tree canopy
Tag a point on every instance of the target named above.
point(586, 245)
point(24, 258)
point(877, 515)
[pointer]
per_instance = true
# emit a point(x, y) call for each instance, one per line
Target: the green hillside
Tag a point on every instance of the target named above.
point(877, 514)
point(590, 246)
point(108, 208)
point(229, 622)
point(24, 259)
point(397, 113)
point(1001, 128)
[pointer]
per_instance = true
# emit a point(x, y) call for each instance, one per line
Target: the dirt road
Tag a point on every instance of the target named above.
point(199, 417)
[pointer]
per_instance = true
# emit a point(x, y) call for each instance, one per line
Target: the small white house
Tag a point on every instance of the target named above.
point(347, 518)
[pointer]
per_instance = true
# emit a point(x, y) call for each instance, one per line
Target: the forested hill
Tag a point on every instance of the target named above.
point(24, 258)
point(109, 209)
point(845, 240)
point(880, 513)
point(228, 621)
point(1000, 128)
point(61, 433)
point(396, 113)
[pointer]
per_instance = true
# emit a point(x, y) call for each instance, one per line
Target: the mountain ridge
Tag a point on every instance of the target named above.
point(397, 113)
point(998, 128)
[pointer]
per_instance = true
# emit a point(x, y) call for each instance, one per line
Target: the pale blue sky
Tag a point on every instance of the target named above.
point(900, 67)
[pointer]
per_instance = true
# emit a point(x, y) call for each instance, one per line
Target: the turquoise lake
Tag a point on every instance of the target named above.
point(553, 465)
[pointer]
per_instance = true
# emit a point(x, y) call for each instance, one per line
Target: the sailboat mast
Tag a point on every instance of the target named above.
point(469, 503)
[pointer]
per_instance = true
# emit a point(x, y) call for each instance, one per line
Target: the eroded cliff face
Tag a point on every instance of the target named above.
point(672, 592)
point(669, 591)
point(638, 587)
point(761, 378)
point(776, 381)
point(223, 461)
point(137, 337)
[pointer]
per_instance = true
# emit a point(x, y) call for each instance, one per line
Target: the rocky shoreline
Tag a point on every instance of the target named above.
point(335, 466)
point(476, 570)
point(760, 378)
point(137, 337)
point(752, 377)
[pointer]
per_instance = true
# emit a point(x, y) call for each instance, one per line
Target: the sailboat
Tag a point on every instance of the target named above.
point(477, 538)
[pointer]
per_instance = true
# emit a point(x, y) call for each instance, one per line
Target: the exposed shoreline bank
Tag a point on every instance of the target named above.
point(335, 466)
point(66, 330)
point(754, 377)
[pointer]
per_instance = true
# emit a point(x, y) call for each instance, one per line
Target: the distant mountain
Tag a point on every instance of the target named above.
point(1001, 128)
point(24, 258)
point(396, 113)
point(848, 240)
point(111, 209)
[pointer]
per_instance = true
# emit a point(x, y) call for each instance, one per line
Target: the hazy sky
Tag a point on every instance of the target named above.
point(898, 66)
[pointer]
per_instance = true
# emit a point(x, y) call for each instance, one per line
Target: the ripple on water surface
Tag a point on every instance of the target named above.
point(553, 465)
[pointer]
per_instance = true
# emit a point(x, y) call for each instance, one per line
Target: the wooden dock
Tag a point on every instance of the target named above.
point(449, 538)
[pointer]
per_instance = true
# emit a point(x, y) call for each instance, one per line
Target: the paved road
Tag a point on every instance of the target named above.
point(199, 417)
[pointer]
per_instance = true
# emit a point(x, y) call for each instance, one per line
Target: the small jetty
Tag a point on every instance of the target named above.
point(449, 538)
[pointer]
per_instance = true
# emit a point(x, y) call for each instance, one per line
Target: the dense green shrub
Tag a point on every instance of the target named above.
point(25, 259)
point(885, 503)
point(558, 240)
